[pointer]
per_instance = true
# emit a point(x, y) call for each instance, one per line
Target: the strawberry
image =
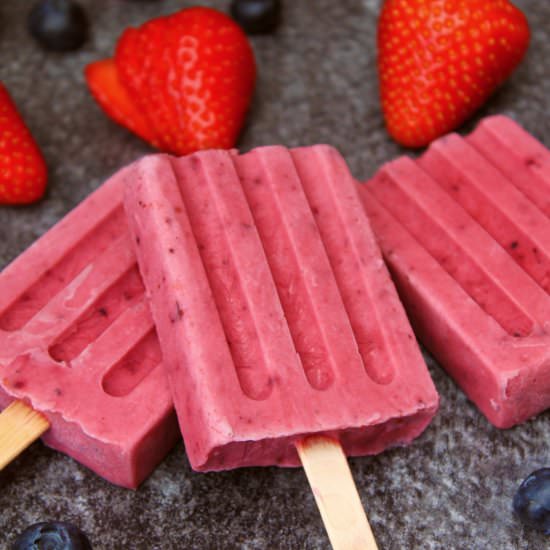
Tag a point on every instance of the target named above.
point(23, 172)
point(103, 81)
point(439, 61)
point(182, 82)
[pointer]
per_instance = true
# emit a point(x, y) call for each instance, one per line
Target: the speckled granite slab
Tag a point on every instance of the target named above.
point(452, 489)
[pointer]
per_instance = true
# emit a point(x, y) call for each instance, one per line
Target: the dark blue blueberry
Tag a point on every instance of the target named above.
point(58, 25)
point(256, 16)
point(532, 500)
point(54, 535)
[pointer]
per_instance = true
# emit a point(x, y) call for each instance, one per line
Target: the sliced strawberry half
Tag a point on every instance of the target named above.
point(183, 82)
point(113, 97)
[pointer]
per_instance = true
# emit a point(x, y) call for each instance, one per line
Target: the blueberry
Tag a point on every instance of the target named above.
point(256, 16)
point(532, 500)
point(54, 535)
point(58, 25)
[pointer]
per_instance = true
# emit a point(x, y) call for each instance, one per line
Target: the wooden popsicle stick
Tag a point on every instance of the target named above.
point(330, 479)
point(20, 425)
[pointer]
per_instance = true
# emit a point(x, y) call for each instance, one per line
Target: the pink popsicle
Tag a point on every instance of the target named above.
point(275, 312)
point(465, 231)
point(78, 344)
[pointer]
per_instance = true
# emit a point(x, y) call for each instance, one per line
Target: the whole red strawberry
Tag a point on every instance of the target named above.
point(23, 172)
point(439, 61)
point(183, 82)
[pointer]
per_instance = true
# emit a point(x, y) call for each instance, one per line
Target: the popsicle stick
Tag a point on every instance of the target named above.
point(20, 425)
point(330, 478)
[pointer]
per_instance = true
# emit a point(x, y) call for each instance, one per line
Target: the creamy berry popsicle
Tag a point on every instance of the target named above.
point(276, 315)
point(78, 344)
point(465, 231)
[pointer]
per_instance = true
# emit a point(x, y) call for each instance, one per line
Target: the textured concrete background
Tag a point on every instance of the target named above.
point(452, 489)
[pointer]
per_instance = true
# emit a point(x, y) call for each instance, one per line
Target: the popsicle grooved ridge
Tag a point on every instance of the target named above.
point(492, 199)
point(125, 375)
point(227, 244)
point(102, 313)
point(446, 242)
point(53, 278)
point(297, 260)
point(349, 244)
point(517, 154)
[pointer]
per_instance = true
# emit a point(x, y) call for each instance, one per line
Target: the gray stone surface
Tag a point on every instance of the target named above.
point(451, 489)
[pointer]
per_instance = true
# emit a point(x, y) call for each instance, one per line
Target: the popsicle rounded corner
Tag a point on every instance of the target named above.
point(524, 397)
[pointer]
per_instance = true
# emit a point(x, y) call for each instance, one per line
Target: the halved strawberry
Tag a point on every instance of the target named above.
point(439, 61)
point(189, 76)
point(104, 83)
